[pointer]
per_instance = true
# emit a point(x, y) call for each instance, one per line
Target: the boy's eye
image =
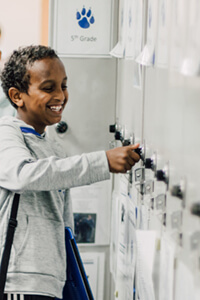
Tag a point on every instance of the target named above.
point(64, 87)
point(48, 89)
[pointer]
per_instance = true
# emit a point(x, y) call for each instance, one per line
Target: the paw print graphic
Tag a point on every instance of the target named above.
point(85, 19)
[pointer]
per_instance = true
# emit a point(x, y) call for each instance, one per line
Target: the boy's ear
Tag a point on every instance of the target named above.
point(15, 96)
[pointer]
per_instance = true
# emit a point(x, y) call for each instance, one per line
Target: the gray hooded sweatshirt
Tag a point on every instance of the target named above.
point(30, 164)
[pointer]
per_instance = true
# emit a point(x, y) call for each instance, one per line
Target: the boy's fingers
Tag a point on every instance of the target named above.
point(131, 161)
point(122, 159)
point(128, 166)
point(133, 147)
point(134, 155)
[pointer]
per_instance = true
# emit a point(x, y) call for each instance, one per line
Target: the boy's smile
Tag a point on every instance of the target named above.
point(47, 94)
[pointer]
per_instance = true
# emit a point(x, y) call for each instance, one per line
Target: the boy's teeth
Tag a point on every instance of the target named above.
point(56, 108)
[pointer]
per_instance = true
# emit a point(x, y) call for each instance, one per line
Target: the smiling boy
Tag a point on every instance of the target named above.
point(35, 82)
point(43, 103)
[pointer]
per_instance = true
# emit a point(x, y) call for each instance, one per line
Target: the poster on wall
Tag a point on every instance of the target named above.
point(82, 27)
point(164, 20)
point(85, 227)
point(91, 213)
point(119, 49)
point(191, 61)
point(178, 34)
point(147, 56)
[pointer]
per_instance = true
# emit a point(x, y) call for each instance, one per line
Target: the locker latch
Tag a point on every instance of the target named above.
point(163, 175)
point(195, 209)
point(195, 240)
point(151, 163)
point(179, 191)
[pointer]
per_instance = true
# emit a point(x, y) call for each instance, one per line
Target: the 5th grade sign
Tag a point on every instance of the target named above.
point(83, 28)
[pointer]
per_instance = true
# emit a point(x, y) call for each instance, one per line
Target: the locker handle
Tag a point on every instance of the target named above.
point(195, 209)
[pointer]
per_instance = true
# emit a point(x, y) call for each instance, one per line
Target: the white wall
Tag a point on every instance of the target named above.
point(20, 23)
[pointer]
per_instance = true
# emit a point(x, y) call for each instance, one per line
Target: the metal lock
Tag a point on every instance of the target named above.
point(139, 174)
point(195, 240)
point(148, 187)
point(176, 219)
point(160, 201)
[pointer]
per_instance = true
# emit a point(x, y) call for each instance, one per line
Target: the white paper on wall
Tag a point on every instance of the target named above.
point(131, 247)
point(191, 61)
point(126, 247)
point(156, 268)
point(83, 28)
point(119, 49)
point(114, 233)
point(197, 286)
point(134, 29)
point(145, 239)
point(167, 257)
point(147, 56)
point(164, 19)
point(195, 267)
point(123, 184)
point(144, 215)
point(184, 282)
point(121, 267)
point(122, 234)
point(178, 33)
point(118, 195)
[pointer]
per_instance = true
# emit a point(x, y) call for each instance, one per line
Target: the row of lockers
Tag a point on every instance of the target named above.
point(158, 92)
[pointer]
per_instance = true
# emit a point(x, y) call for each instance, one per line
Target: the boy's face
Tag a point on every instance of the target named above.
point(47, 94)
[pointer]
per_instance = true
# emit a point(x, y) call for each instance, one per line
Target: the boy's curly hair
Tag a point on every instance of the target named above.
point(15, 72)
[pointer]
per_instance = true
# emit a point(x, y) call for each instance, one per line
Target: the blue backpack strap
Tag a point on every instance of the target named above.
point(12, 224)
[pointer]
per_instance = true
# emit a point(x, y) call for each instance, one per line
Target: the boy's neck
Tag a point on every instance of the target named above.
point(37, 129)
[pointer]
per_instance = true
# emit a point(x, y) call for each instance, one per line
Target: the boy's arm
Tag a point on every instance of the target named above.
point(20, 171)
point(122, 159)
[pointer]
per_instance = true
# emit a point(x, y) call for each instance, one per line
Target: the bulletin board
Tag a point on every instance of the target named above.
point(82, 28)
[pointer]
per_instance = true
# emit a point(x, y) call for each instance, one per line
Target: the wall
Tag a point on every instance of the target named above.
point(20, 22)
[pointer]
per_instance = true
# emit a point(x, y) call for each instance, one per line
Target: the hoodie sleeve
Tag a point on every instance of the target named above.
point(20, 171)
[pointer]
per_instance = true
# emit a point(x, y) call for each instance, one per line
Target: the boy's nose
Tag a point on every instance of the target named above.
point(60, 95)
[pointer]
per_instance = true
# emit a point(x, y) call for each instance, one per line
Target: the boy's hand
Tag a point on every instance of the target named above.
point(122, 159)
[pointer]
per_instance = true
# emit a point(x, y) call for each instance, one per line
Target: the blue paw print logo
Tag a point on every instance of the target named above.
point(85, 18)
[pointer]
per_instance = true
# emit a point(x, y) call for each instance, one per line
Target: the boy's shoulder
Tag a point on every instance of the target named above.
point(11, 120)
point(10, 129)
point(10, 124)
point(7, 120)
